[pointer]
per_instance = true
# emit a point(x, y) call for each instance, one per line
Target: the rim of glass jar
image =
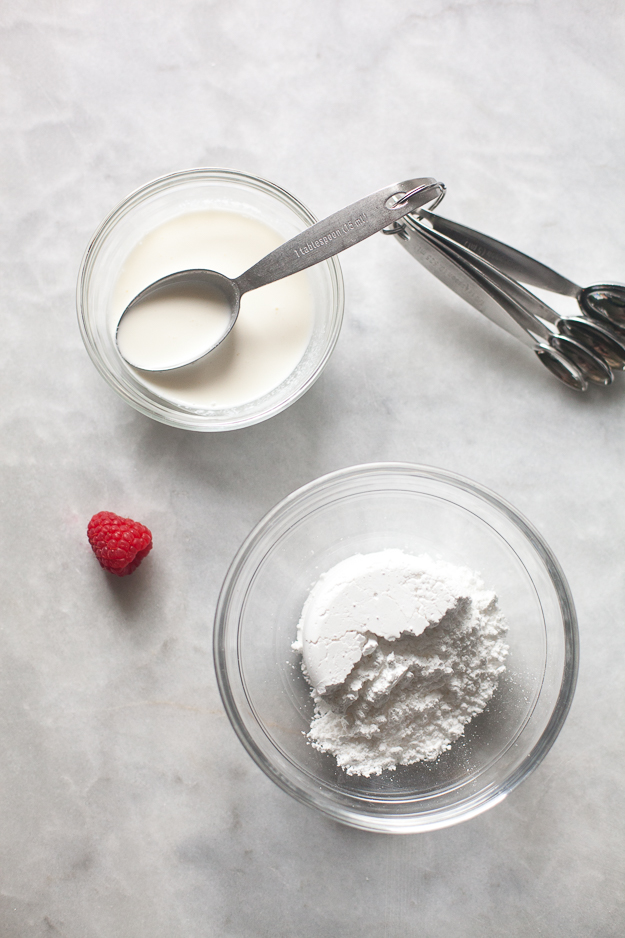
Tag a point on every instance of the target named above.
point(464, 809)
point(152, 407)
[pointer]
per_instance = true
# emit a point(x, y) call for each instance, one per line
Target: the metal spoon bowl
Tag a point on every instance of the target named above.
point(604, 301)
point(317, 243)
point(561, 367)
point(599, 338)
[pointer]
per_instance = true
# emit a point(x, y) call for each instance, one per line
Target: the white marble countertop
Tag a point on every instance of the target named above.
point(128, 807)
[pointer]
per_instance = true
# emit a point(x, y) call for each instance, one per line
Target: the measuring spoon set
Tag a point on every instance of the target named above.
point(581, 349)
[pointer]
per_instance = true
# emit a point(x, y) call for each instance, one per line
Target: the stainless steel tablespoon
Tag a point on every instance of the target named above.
point(317, 243)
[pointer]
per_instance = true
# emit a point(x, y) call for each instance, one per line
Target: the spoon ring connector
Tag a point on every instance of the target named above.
point(398, 228)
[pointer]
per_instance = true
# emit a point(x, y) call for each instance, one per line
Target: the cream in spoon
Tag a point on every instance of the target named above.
point(317, 243)
point(274, 326)
point(172, 323)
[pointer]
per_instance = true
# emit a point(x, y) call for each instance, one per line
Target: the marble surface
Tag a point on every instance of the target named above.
point(127, 805)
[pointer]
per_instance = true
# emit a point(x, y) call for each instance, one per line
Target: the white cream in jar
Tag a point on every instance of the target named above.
point(274, 324)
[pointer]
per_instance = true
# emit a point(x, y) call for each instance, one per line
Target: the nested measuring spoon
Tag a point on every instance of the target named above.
point(157, 308)
point(604, 343)
point(494, 296)
point(600, 334)
point(602, 301)
point(527, 314)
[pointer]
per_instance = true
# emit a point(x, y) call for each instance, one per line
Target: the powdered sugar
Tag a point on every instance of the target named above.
point(412, 650)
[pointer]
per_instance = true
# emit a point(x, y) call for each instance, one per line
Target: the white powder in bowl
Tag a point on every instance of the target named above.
point(401, 652)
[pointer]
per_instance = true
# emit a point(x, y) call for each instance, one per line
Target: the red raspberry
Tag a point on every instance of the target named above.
point(120, 544)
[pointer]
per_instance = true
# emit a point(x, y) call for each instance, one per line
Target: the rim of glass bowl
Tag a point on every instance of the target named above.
point(314, 493)
point(188, 420)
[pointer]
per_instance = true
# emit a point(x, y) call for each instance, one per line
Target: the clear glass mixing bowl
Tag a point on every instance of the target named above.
point(158, 202)
point(420, 510)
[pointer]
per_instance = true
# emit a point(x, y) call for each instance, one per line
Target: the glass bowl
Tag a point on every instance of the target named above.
point(159, 202)
point(420, 510)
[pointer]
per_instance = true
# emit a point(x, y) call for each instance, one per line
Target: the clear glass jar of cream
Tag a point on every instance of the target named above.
point(223, 220)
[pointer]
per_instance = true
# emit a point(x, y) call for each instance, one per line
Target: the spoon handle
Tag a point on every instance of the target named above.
point(341, 230)
point(512, 262)
point(451, 269)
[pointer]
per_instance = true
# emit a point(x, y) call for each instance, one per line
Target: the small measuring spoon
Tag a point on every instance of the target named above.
point(603, 301)
point(569, 360)
point(156, 309)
